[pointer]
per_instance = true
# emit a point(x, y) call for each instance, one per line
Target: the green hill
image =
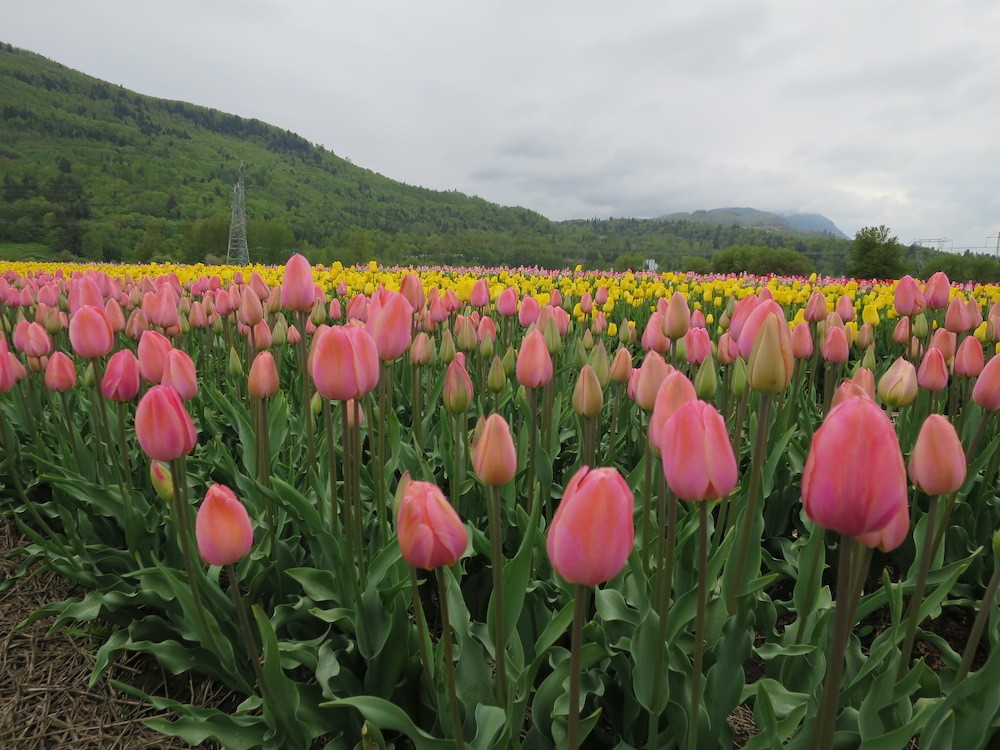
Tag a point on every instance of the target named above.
point(90, 169)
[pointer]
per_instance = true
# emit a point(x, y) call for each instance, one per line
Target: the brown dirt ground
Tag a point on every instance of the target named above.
point(45, 702)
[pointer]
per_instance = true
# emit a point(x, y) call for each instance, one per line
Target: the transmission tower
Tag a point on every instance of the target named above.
point(238, 254)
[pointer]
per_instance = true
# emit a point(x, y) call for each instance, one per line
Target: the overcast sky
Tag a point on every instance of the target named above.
point(867, 111)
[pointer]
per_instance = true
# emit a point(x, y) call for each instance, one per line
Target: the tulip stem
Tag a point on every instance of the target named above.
point(499, 636)
point(449, 663)
point(843, 614)
point(456, 459)
point(973, 449)
point(750, 516)
point(332, 460)
point(939, 533)
point(576, 643)
point(913, 613)
point(349, 520)
point(253, 651)
point(647, 502)
point(306, 398)
point(356, 488)
point(982, 617)
point(418, 615)
point(589, 426)
point(74, 436)
point(699, 626)
point(532, 446)
point(667, 508)
point(123, 449)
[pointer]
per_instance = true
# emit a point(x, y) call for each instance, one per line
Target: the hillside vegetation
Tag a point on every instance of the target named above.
point(93, 170)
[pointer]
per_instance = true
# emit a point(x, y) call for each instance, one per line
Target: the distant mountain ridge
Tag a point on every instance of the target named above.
point(752, 218)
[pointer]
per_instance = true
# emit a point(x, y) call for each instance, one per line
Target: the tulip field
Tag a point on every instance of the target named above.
point(511, 508)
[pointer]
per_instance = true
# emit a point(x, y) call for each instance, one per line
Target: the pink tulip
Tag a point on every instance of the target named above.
point(507, 302)
point(153, 350)
point(835, 348)
point(854, 480)
point(534, 364)
point(250, 312)
point(90, 332)
point(677, 319)
point(121, 378)
point(458, 392)
point(653, 339)
point(755, 321)
point(698, 460)
point(909, 300)
point(865, 379)
point(480, 296)
point(845, 308)
point(697, 345)
point(592, 532)
point(222, 527)
point(651, 374)
point(946, 341)
point(60, 374)
point(163, 426)
point(429, 530)
point(898, 386)
point(901, 333)
point(8, 372)
point(937, 464)
point(621, 366)
point(494, 458)
point(986, 391)
point(675, 391)
point(957, 319)
point(850, 389)
point(529, 311)
point(263, 379)
point(936, 291)
point(969, 359)
point(816, 308)
point(297, 291)
point(892, 534)
point(802, 342)
point(345, 363)
point(933, 372)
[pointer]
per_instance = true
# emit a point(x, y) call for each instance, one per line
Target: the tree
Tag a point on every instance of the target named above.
point(876, 255)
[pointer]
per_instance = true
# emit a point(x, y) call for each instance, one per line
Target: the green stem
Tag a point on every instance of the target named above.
point(982, 617)
point(499, 636)
point(418, 615)
point(349, 520)
point(913, 613)
point(756, 469)
point(306, 398)
point(332, 461)
point(449, 663)
point(532, 447)
point(827, 716)
point(576, 643)
point(647, 506)
point(699, 626)
point(253, 651)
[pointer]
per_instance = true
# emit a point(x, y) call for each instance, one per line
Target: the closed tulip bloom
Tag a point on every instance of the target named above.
point(908, 298)
point(869, 315)
point(421, 350)
point(179, 373)
point(36, 341)
point(768, 309)
point(933, 372)
point(898, 386)
point(163, 426)
point(494, 458)
point(507, 302)
point(8, 372)
point(411, 288)
point(222, 527)
point(297, 291)
point(802, 342)
point(465, 334)
point(588, 396)
point(136, 324)
point(90, 332)
point(60, 374)
point(496, 378)
point(675, 391)
point(263, 379)
point(769, 369)
point(936, 291)
point(653, 339)
point(901, 333)
point(345, 363)
point(975, 313)
point(250, 312)
point(651, 374)
point(865, 337)
point(592, 532)
point(262, 338)
point(865, 379)
point(697, 346)
point(729, 350)
point(163, 483)
point(121, 377)
point(391, 326)
point(458, 391)
point(598, 359)
point(161, 307)
point(529, 311)
point(621, 366)
point(429, 530)
point(153, 349)
point(969, 359)
point(957, 319)
point(946, 341)
point(986, 391)
point(816, 308)
point(677, 319)
point(698, 460)
point(845, 308)
point(534, 364)
point(892, 534)
point(937, 464)
point(480, 296)
point(850, 389)
point(854, 480)
point(835, 348)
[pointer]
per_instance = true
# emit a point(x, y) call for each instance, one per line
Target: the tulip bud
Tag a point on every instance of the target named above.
point(706, 380)
point(868, 358)
point(969, 359)
point(179, 373)
point(60, 374)
point(345, 363)
point(698, 460)
point(121, 378)
point(770, 367)
point(509, 361)
point(446, 352)
point(598, 359)
point(279, 332)
point(235, 368)
point(933, 372)
point(316, 404)
point(458, 391)
point(534, 364)
point(738, 384)
point(163, 426)
point(297, 292)
point(865, 379)
point(652, 372)
point(802, 342)
point(580, 357)
point(588, 396)
point(986, 391)
point(494, 458)
point(592, 532)
point(429, 530)
point(421, 350)
point(263, 379)
point(621, 367)
point(496, 380)
point(909, 300)
point(89, 378)
point(920, 326)
point(937, 464)
point(898, 387)
point(163, 483)
point(222, 527)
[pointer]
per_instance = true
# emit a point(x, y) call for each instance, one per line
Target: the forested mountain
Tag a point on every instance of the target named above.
point(90, 169)
point(752, 218)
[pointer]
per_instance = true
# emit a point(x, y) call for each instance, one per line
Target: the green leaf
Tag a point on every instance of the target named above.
point(390, 716)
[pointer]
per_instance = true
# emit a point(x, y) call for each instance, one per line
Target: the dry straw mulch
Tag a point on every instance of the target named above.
point(45, 701)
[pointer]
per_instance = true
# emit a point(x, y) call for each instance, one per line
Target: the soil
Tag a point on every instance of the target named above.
point(45, 701)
